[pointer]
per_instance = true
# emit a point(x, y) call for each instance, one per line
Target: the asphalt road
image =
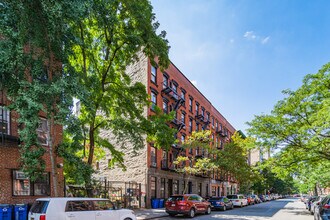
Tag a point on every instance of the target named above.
point(283, 209)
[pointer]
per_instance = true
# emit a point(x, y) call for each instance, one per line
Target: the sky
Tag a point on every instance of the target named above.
point(241, 54)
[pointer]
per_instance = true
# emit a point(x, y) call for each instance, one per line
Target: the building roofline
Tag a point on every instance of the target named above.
point(227, 122)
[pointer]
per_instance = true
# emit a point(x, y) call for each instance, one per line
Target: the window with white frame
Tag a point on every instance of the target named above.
point(4, 121)
point(190, 124)
point(165, 81)
point(183, 118)
point(42, 131)
point(190, 104)
point(153, 100)
point(153, 157)
point(165, 106)
point(153, 74)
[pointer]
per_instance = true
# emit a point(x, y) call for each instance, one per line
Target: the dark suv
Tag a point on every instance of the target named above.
point(187, 204)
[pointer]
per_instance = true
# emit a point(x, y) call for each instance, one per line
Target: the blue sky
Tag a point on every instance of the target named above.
point(242, 53)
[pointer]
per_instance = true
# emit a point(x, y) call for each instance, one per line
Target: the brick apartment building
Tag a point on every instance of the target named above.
point(170, 90)
point(15, 186)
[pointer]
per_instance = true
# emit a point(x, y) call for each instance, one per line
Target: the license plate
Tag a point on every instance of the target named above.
point(173, 204)
point(212, 206)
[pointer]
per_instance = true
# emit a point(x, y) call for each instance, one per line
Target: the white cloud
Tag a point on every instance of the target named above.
point(250, 35)
point(194, 82)
point(265, 40)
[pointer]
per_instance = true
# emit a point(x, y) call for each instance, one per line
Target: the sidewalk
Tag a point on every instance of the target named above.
point(150, 213)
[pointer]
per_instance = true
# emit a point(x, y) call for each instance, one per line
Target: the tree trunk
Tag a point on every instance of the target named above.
point(50, 125)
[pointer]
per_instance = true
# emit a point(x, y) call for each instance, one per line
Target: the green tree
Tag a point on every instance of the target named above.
point(195, 165)
point(298, 128)
point(32, 55)
point(110, 36)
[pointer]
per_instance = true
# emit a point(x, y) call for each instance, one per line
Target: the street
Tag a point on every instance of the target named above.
point(283, 209)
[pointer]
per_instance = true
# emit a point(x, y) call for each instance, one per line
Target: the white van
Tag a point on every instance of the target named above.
point(77, 209)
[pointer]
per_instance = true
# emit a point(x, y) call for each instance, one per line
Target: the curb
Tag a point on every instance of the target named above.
point(154, 217)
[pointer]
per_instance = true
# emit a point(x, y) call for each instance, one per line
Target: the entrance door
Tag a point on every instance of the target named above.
point(170, 187)
point(218, 191)
point(189, 187)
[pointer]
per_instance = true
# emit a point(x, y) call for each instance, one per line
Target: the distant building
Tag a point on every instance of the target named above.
point(154, 169)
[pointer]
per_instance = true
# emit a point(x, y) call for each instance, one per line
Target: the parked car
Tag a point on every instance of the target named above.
point(322, 210)
point(238, 200)
point(222, 203)
point(77, 208)
point(309, 200)
point(187, 204)
point(256, 198)
point(251, 200)
point(315, 203)
point(262, 198)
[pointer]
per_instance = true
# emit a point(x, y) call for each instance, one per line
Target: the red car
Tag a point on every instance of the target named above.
point(187, 204)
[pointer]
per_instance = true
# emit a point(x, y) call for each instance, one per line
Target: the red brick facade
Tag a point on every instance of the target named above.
point(9, 162)
point(161, 173)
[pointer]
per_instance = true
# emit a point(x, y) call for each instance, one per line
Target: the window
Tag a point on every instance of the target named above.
point(175, 90)
point(103, 205)
point(183, 94)
point(162, 188)
point(203, 111)
point(197, 109)
point(42, 131)
point(216, 126)
point(214, 191)
point(216, 142)
point(176, 186)
point(197, 126)
point(80, 205)
point(153, 74)
point(212, 121)
point(22, 186)
point(183, 137)
point(190, 105)
point(165, 81)
point(183, 118)
point(153, 100)
point(200, 189)
point(153, 157)
point(4, 121)
point(153, 187)
point(165, 106)
point(208, 116)
point(190, 124)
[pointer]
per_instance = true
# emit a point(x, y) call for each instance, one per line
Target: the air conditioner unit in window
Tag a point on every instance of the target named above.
point(21, 175)
point(153, 164)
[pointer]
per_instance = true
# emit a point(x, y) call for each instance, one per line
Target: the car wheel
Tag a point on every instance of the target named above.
point(208, 210)
point(172, 214)
point(191, 213)
point(232, 206)
point(224, 208)
point(241, 204)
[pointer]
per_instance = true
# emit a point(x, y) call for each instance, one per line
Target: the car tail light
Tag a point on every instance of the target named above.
point(236, 200)
point(42, 217)
point(326, 206)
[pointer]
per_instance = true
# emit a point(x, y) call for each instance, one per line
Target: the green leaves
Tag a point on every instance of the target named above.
point(299, 125)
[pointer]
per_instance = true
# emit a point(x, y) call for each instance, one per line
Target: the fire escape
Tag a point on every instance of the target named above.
point(201, 119)
point(178, 101)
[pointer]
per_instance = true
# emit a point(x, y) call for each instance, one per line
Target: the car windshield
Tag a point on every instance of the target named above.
point(232, 196)
point(39, 206)
point(216, 198)
point(175, 198)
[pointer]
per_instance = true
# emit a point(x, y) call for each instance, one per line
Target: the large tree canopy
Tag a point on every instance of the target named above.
point(298, 126)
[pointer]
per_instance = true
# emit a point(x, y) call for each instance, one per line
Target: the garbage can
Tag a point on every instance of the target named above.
point(155, 203)
point(161, 203)
point(20, 212)
point(5, 212)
